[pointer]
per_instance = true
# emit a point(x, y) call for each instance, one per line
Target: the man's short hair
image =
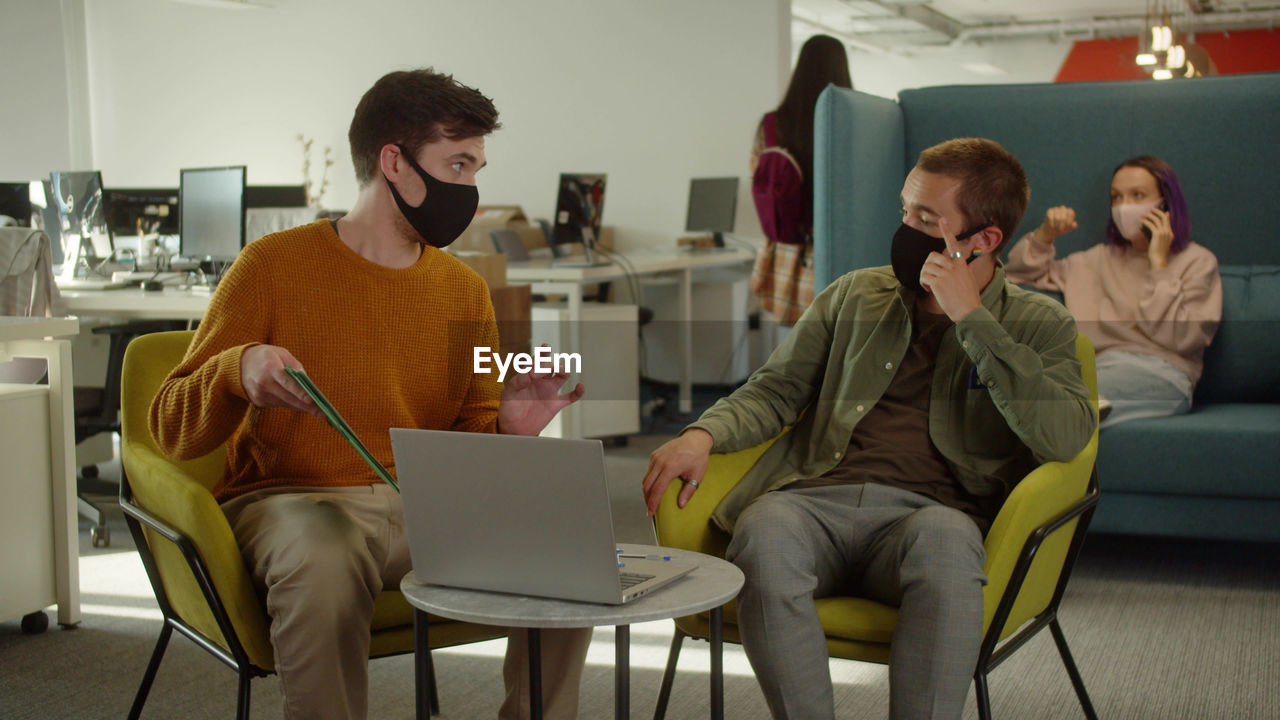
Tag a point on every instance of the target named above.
point(413, 108)
point(993, 187)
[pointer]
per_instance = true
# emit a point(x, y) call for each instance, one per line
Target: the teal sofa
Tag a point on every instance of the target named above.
point(1215, 472)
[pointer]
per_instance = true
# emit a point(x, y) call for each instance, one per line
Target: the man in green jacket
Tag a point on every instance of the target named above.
point(919, 394)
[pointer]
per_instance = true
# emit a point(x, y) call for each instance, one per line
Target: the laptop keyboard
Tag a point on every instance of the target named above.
point(630, 580)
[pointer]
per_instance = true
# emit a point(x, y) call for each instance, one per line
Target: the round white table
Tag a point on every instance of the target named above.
point(712, 584)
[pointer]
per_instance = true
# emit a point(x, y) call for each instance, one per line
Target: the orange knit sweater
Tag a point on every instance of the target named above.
point(389, 348)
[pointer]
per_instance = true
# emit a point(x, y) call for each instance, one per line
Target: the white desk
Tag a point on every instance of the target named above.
point(137, 304)
point(40, 564)
point(545, 277)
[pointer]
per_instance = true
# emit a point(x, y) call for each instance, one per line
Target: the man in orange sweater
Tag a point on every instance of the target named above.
point(385, 323)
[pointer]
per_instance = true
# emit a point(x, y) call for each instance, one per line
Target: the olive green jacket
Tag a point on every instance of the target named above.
point(1007, 391)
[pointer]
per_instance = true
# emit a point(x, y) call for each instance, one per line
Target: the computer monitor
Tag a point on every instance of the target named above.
point(45, 214)
point(79, 205)
point(712, 205)
point(274, 196)
point(142, 211)
point(579, 205)
point(211, 214)
point(15, 202)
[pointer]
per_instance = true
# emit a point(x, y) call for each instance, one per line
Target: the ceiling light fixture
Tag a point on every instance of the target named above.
point(228, 4)
point(1159, 51)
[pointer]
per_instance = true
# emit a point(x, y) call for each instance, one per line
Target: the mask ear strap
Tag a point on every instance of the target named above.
point(409, 157)
point(974, 231)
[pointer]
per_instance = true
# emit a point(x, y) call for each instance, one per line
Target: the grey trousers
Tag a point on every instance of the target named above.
point(873, 541)
point(320, 556)
point(1141, 386)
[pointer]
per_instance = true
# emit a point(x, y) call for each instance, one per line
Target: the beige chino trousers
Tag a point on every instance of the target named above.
point(320, 556)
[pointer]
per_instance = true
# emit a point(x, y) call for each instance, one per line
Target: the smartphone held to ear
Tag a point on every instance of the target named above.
point(1146, 231)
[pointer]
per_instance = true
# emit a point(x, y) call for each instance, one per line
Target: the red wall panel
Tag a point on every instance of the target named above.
point(1239, 51)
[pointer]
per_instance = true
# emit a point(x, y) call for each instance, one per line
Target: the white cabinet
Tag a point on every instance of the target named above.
point(38, 560)
point(26, 502)
point(610, 367)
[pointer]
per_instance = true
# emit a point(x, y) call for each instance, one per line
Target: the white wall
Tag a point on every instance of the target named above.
point(1030, 60)
point(653, 92)
point(44, 122)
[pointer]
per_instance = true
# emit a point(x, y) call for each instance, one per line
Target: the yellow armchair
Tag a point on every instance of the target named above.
point(1031, 548)
point(200, 580)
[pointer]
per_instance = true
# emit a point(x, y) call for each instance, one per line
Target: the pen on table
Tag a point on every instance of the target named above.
point(643, 556)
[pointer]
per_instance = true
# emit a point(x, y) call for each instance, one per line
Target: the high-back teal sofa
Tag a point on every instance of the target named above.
point(1215, 472)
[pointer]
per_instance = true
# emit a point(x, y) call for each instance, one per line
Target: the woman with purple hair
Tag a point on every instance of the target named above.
point(1149, 298)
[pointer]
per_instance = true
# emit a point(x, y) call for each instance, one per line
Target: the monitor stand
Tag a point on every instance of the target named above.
point(590, 258)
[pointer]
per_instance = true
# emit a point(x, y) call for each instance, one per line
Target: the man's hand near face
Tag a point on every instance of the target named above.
point(948, 278)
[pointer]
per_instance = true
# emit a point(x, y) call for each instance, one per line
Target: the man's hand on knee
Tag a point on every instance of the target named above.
point(682, 457)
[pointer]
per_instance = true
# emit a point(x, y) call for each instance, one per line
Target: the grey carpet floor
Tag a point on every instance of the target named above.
point(1160, 629)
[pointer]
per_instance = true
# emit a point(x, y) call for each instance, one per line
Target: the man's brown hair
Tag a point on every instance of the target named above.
point(993, 187)
point(413, 108)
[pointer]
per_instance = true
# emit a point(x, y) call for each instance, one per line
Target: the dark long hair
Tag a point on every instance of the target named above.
point(1170, 190)
point(823, 61)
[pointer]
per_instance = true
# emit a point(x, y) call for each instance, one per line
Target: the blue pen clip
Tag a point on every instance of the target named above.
point(643, 556)
point(974, 382)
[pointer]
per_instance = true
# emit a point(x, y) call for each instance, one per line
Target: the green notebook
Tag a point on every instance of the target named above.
point(340, 425)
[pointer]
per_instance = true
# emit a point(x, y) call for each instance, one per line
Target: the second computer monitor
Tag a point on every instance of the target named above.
point(78, 204)
point(211, 213)
point(713, 202)
point(579, 205)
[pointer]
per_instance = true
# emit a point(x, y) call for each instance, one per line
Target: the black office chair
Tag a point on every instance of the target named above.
point(97, 410)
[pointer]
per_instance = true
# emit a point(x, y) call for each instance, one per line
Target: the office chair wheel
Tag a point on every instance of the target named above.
point(100, 535)
point(35, 623)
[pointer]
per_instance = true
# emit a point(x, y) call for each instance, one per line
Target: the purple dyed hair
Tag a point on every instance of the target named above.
point(1170, 190)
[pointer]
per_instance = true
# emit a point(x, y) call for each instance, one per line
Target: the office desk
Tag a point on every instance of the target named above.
point(39, 564)
point(546, 278)
point(137, 304)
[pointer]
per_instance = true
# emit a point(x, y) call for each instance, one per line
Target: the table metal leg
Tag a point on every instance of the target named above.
point(717, 664)
point(686, 341)
point(535, 674)
point(426, 700)
point(622, 672)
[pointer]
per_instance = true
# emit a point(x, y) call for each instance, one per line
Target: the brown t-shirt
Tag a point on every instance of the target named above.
point(891, 444)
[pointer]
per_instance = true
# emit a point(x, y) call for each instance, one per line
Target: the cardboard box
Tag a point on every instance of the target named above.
point(512, 307)
point(492, 267)
point(488, 217)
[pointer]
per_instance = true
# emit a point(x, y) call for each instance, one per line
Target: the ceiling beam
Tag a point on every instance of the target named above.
point(926, 17)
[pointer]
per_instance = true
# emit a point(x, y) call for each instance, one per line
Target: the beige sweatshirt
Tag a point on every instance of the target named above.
point(1121, 303)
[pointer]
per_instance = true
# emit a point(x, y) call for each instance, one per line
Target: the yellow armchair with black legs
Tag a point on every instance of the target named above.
point(1031, 548)
point(200, 580)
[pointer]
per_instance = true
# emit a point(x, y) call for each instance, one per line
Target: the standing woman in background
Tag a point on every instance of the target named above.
point(782, 181)
point(1149, 299)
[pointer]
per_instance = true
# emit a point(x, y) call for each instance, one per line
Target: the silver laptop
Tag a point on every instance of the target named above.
point(524, 515)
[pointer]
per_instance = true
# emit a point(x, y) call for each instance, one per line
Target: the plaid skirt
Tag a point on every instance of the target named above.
point(782, 279)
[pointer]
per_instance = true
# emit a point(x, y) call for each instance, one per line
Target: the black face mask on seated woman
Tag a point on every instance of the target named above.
point(446, 211)
point(911, 247)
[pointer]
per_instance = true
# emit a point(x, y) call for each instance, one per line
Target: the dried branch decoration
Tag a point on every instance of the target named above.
point(316, 199)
